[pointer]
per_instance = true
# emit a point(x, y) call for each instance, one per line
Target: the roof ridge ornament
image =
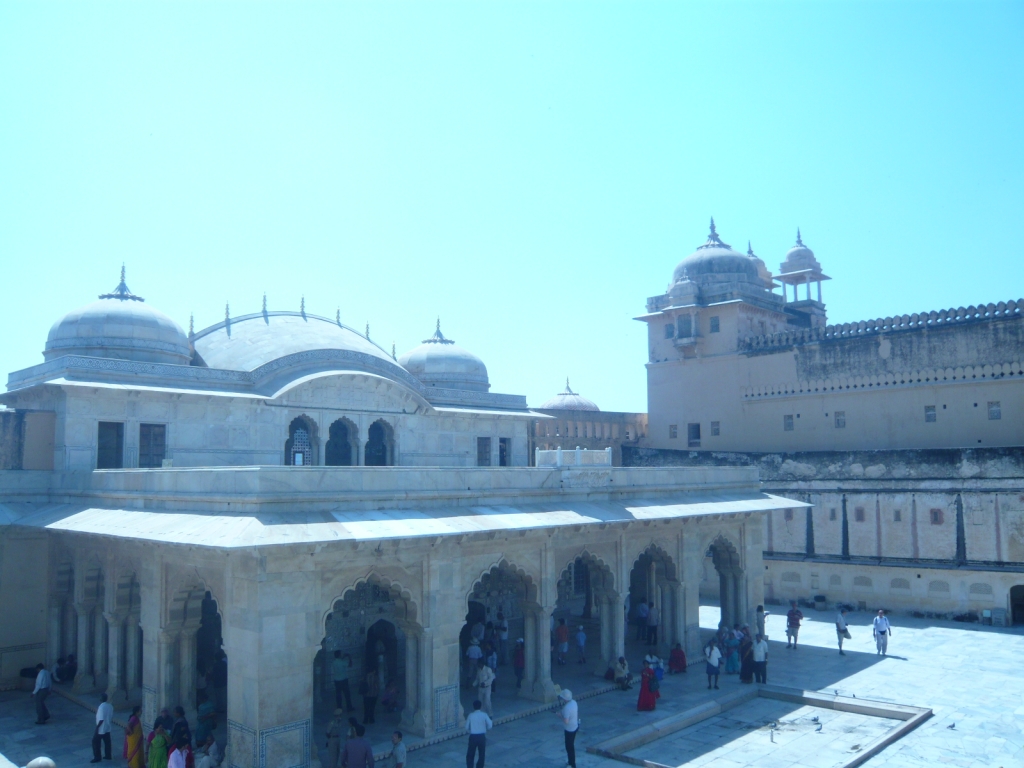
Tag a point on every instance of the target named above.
point(191, 325)
point(568, 389)
point(438, 337)
point(302, 306)
point(264, 302)
point(798, 240)
point(337, 316)
point(121, 292)
point(714, 241)
point(367, 331)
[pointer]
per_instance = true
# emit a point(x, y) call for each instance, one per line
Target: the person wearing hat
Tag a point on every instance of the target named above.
point(334, 731)
point(519, 662)
point(570, 714)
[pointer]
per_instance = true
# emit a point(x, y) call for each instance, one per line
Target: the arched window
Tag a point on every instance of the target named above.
point(380, 445)
point(299, 448)
point(341, 447)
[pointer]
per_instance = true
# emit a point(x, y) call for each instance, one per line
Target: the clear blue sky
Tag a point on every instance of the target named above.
point(531, 172)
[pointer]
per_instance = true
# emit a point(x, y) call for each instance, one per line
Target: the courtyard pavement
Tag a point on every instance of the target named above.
point(971, 676)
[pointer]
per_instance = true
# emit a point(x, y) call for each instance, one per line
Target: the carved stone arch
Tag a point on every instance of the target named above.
point(185, 602)
point(408, 609)
point(303, 438)
point(128, 595)
point(342, 446)
point(657, 553)
point(601, 574)
point(380, 444)
point(531, 585)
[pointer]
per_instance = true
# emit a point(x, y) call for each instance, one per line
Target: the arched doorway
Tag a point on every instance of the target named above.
point(300, 449)
point(1017, 604)
point(587, 599)
point(505, 594)
point(380, 445)
point(91, 633)
point(124, 670)
point(732, 595)
point(341, 444)
point(195, 666)
point(371, 632)
point(654, 588)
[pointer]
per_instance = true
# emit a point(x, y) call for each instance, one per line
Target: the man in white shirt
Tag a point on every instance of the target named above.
point(477, 726)
point(760, 659)
point(397, 751)
point(882, 631)
point(484, 679)
point(176, 759)
point(43, 684)
point(570, 715)
point(104, 721)
point(841, 629)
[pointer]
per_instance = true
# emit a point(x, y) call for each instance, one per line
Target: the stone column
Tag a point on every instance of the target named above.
point(652, 575)
point(727, 598)
point(100, 647)
point(84, 681)
point(678, 614)
point(187, 670)
point(617, 604)
point(543, 686)
point(605, 607)
point(412, 658)
point(116, 693)
point(69, 627)
point(133, 651)
point(425, 683)
point(529, 652)
point(166, 659)
point(53, 632)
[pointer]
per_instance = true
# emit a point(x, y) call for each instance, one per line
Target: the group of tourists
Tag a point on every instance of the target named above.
point(348, 747)
point(740, 652)
point(647, 620)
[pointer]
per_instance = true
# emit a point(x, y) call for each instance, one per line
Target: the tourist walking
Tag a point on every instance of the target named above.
point(653, 620)
point(562, 640)
point(760, 659)
point(133, 751)
point(368, 688)
point(484, 678)
point(677, 659)
point(101, 735)
point(842, 630)
point(882, 632)
point(341, 667)
point(649, 690)
point(397, 759)
point(334, 730)
point(759, 616)
point(714, 665)
point(570, 715)
point(358, 752)
point(747, 658)
point(581, 645)
point(519, 662)
point(44, 682)
point(793, 619)
point(641, 620)
point(477, 725)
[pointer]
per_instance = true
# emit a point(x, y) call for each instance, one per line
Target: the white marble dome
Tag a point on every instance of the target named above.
point(715, 261)
point(799, 257)
point(569, 401)
point(120, 326)
point(440, 362)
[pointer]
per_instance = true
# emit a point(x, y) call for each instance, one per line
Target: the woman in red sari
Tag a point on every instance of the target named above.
point(677, 659)
point(648, 698)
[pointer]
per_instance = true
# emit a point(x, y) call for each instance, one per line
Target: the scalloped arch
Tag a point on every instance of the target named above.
point(655, 549)
point(607, 572)
point(396, 589)
point(532, 584)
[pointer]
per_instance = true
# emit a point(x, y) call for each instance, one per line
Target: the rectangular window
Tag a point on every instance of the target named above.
point(832, 514)
point(693, 435)
point(110, 445)
point(858, 514)
point(936, 516)
point(929, 413)
point(483, 451)
point(716, 428)
point(840, 419)
point(669, 331)
point(685, 324)
point(787, 423)
point(995, 410)
point(715, 325)
point(896, 516)
point(673, 431)
point(152, 445)
point(504, 451)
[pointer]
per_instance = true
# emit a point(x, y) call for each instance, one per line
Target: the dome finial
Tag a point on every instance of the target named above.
point(750, 249)
point(302, 306)
point(337, 316)
point(714, 241)
point(191, 325)
point(393, 355)
point(264, 302)
point(367, 331)
point(438, 337)
point(798, 240)
point(227, 312)
point(713, 233)
point(121, 292)
point(568, 389)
